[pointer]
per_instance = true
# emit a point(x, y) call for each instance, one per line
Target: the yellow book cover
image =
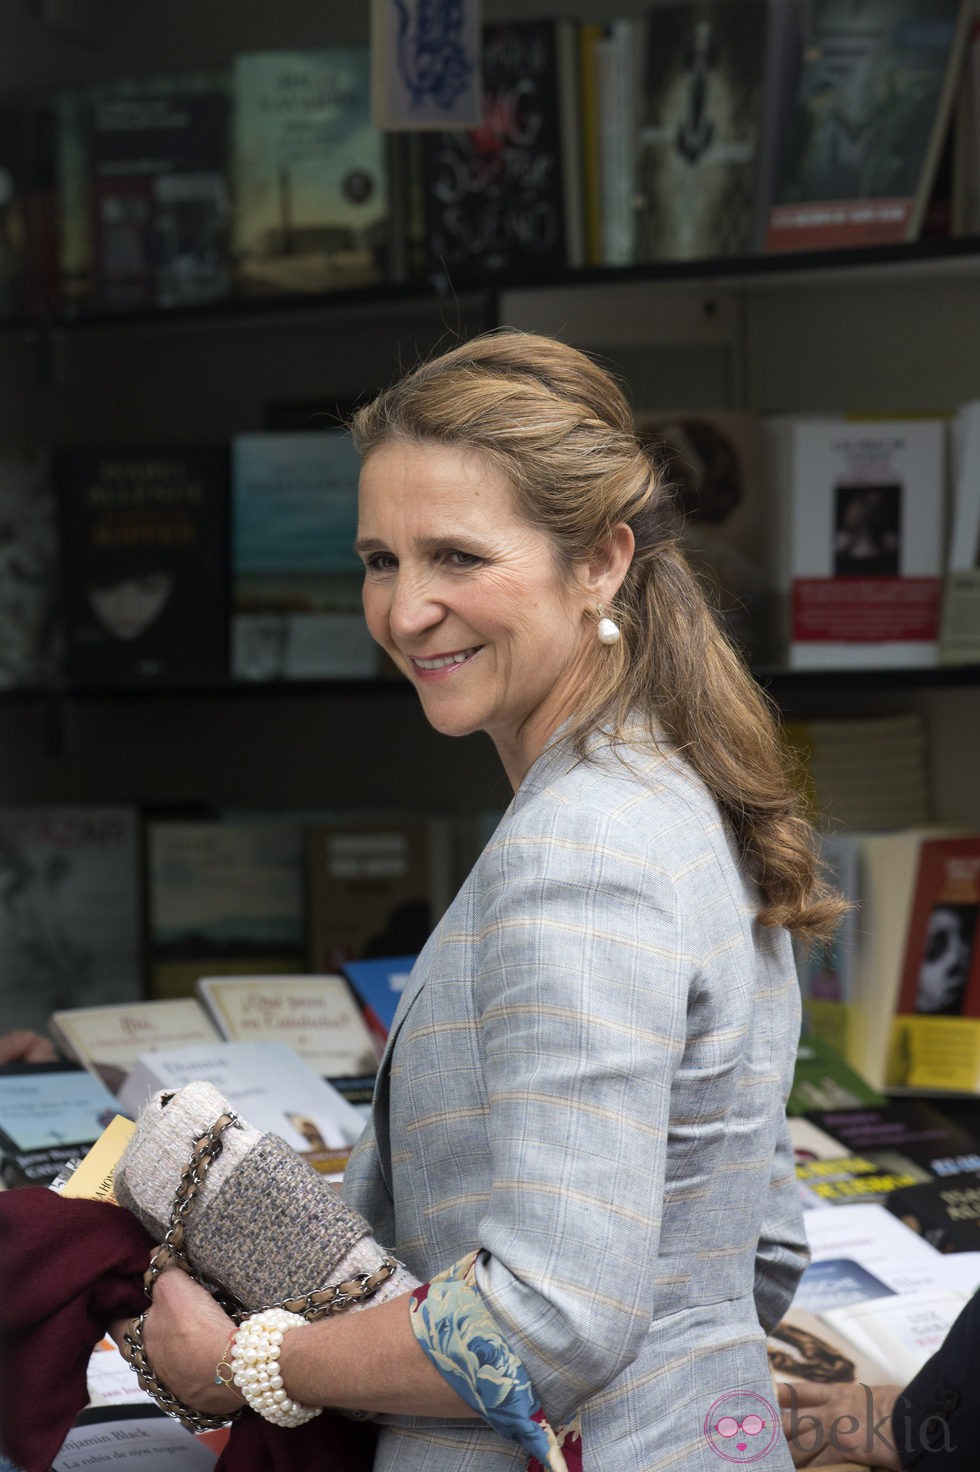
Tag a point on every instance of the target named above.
point(93, 1177)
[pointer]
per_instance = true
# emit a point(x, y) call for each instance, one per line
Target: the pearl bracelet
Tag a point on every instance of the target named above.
point(255, 1366)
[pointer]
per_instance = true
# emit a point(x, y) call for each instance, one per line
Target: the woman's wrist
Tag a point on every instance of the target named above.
point(256, 1371)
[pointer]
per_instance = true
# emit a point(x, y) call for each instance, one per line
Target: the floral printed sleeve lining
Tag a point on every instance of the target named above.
point(454, 1328)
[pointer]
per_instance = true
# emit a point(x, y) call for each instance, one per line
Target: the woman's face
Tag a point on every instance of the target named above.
point(129, 607)
point(468, 600)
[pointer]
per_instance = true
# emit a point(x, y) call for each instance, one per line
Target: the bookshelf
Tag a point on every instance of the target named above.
point(884, 331)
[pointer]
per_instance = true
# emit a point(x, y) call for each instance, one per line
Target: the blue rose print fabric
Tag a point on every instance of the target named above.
point(453, 1327)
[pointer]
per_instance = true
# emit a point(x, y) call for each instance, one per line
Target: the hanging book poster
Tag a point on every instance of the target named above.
point(425, 70)
point(868, 122)
point(69, 910)
point(144, 553)
point(310, 188)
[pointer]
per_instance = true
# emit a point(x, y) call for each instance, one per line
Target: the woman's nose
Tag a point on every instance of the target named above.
point(414, 607)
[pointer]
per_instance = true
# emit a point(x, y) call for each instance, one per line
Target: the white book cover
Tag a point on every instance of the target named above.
point(70, 911)
point(316, 1015)
point(859, 550)
point(868, 1235)
point(267, 1082)
point(108, 1040)
point(154, 1443)
point(903, 1330)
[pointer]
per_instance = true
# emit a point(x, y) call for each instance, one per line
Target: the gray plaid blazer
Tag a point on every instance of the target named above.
point(586, 1079)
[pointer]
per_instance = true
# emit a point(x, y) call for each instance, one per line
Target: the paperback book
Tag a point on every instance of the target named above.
point(868, 122)
point(505, 197)
point(310, 187)
point(296, 583)
point(159, 190)
point(713, 463)
point(31, 643)
point(377, 887)
point(268, 1081)
point(108, 1040)
point(378, 985)
point(144, 556)
point(223, 897)
point(316, 1015)
point(858, 539)
point(70, 910)
point(50, 1113)
point(716, 76)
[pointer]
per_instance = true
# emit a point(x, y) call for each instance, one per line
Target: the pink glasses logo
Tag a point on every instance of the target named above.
point(741, 1426)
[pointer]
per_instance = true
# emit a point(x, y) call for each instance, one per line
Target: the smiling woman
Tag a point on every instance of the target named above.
point(578, 1143)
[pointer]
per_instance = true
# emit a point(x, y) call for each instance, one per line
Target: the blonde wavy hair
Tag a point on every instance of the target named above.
point(561, 429)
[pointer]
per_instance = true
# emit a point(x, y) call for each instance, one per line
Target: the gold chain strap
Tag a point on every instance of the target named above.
point(317, 1304)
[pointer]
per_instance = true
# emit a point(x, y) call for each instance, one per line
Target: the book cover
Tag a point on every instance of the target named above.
point(945, 1212)
point(267, 1081)
point(108, 1040)
point(12, 222)
point(159, 189)
point(903, 1331)
point(804, 1346)
point(31, 642)
point(917, 1130)
point(714, 84)
point(617, 61)
point(70, 910)
point(712, 460)
point(93, 1178)
point(296, 582)
point(378, 985)
point(959, 634)
point(309, 181)
point(941, 963)
point(858, 544)
point(144, 536)
point(316, 1015)
point(376, 888)
point(223, 898)
point(822, 1079)
point(148, 1440)
point(862, 772)
point(506, 196)
point(869, 117)
point(425, 65)
point(49, 1114)
point(856, 1178)
point(888, 863)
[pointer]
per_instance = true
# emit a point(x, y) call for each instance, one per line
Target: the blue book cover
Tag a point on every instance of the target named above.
point(379, 985)
point(296, 582)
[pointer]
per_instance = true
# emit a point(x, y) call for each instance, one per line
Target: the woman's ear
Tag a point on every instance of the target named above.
point(608, 566)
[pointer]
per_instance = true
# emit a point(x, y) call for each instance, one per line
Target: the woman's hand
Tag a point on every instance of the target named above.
point(839, 1423)
point(185, 1335)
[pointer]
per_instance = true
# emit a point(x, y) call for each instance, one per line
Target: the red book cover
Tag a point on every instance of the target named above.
point(941, 971)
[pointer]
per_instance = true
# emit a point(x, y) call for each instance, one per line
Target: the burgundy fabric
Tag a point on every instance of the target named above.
point(68, 1268)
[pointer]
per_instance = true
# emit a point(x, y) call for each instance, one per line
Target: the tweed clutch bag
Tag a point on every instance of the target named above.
point(264, 1227)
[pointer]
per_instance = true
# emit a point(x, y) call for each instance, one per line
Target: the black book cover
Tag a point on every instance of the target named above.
point(945, 1212)
point(919, 1131)
point(50, 1113)
point(145, 558)
point(160, 196)
point(495, 194)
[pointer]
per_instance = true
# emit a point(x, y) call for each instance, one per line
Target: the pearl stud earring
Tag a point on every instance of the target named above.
point(607, 629)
